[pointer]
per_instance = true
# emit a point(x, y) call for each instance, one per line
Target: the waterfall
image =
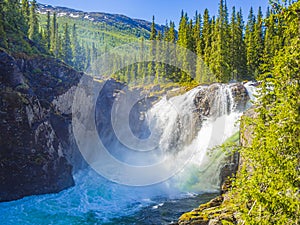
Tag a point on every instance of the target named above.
point(188, 134)
point(187, 127)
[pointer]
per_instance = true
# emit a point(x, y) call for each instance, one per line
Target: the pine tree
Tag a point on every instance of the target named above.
point(3, 37)
point(66, 46)
point(13, 15)
point(237, 46)
point(170, 34)
point(33, 32)
point(250, 45)
point(153, 30)
point(220, 48)
point(26, 15)
point(54, 36)
point(258, 40)
point(48, 31)
point(88, 58)
point(76, 49)
point(273, 40)
point(206, 36)
point(141, 73)
point(159, 51)
point(241, 54)
point(197, 35)
point(184, 40)
point(151, 67)
point(183, 31)
point(234, 57)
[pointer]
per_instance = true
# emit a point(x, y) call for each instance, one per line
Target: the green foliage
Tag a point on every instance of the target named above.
point(33, 32)
point(66, 51)
point(266, 190)
point(26, 15)
point(3, 38)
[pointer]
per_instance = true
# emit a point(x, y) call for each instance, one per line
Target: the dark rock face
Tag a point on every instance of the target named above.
point(35, 142)
point(208, 100)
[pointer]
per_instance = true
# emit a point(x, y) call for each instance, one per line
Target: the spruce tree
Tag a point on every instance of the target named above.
point(159, 54)
point(206, 36)
point(3, 37)
point(153, 30)
point(198, 38)
point(241, 54)
point(220, 48)
point(183, 31)
point(237, 46)
point(48, 31)
point(76, 49)
point(233, 50)
point(66, 46)
point(151, 67)
point(250, 45)
point(54, 36)
point(26, 15)
point(258, 40)
point(197, 35)
point(13, 16)
point(33, 32)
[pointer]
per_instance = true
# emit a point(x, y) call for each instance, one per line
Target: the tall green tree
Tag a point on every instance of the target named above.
point(67, 55)
point(153, 31)
point(3, 37)
point(26, 15)
point(54, 47)
point(206, 36)
point(273, 39)
point(237, 49)
point(33, 32)
point(234, 47)
point(251, 45)
point(259, 42)
point(170, 35)
point(77, 50)
point(151, 65)
point(13, 15)
point(183, 30)
point(220, 63)
point(241, 66)
point(48, 31)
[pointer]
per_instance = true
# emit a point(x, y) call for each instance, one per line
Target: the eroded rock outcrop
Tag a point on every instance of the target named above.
point(207, 100)
point(35, 140)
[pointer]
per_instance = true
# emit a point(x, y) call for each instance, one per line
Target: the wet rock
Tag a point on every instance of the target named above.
point(208, 99)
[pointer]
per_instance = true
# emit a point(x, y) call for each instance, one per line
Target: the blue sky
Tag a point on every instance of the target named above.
point(162, 9)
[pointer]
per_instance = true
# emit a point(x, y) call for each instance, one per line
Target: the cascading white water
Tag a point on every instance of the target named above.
point(179, 135)
point(95, 200)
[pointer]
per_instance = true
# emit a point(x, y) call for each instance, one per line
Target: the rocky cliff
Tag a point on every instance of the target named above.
point(36, 148)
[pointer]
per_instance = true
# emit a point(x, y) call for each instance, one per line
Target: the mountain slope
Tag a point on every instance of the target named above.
point(115, 20)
